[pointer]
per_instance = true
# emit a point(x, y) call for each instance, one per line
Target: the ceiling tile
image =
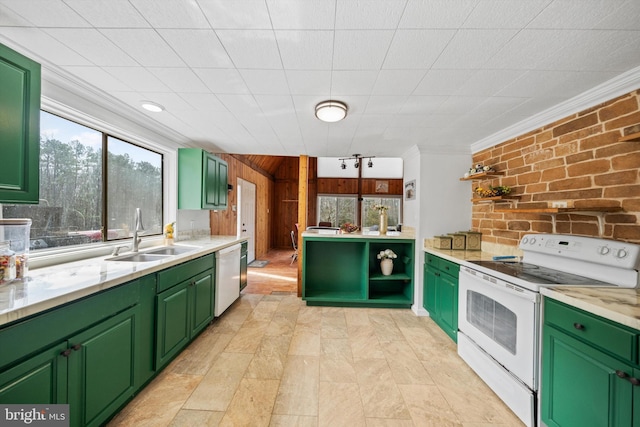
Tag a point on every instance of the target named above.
point(170, 101)
point(540, 84)
point(251, 48)
point(172, 14)
point(99, 78)
point(198, 48)
point(305, 50)
point(236, 15)
point(574, 14)
point(145, 46)
point(458, 105)
point(265, 82)
point(497, 105)
point(92, 45)
point(624, 17)
point(203, 101)
point(309, 82)
point(137, 77)
point(424, 105)
point(240, 104)
point(305, 15)
point(360, 50)
point(109, 13)
point(47, 13)
point(504, 13)
point(368, 14)
point(10, 18)
point(416, 48)
point(471, 48)
point(486, 82)
point(397, 82)
point(442, 82)
point(353, 82)
point(39, 43)
point(385, 104)
point(276, 105)
point(436, 13)
point(180, 79)
point(220, 80)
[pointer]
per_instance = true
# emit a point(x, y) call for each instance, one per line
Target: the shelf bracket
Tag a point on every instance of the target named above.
point(599, 216)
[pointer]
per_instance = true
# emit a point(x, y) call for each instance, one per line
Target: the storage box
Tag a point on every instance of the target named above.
point(442, 242)
point(458, 241)
point(473, 240)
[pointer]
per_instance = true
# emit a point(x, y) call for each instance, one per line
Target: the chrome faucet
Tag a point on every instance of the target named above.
point(138, 227)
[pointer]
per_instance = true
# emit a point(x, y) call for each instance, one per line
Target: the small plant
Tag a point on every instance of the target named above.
point(381, 208)
point(169, 229)
point(387, 254)
point(500, 190)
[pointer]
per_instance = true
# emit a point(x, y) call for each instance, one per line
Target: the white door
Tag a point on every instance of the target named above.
point(247, 215)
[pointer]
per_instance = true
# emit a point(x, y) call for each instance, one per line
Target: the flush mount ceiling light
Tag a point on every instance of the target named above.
point(152, 106)
point(331, 111)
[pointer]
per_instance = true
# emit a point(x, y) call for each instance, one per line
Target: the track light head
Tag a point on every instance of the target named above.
point(356, 164)
point(343, 165)
point(370, 164)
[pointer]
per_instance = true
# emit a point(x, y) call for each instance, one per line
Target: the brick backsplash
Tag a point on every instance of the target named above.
point(577, 159)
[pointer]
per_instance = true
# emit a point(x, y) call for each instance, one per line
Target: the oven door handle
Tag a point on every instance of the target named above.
point(500, 285)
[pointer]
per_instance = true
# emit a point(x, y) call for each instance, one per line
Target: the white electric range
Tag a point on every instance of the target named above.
point(499, 306)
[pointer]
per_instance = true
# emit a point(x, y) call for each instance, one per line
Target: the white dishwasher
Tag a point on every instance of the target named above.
point(227, 278)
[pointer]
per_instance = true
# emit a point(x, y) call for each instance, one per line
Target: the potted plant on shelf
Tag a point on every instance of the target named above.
point(386, 261)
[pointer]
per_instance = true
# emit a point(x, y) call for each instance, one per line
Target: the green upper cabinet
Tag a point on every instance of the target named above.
point(202, 180)
point(19, 127)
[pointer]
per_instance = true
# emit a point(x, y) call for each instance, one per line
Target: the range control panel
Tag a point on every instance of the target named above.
point(589, 249)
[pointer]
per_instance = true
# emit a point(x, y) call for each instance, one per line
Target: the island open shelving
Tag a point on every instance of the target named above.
point(344, 271)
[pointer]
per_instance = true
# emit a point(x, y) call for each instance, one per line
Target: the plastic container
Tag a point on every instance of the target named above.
point(16, 231)
point(7, 263)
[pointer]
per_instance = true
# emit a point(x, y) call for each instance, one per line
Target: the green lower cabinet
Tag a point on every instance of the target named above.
point(440, 293)
point(101, 369)
point(182, 312)
point(40, 379)
point(580, 387)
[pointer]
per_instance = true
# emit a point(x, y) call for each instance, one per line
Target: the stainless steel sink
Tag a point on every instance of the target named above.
point(139, 257)
point(172, 250)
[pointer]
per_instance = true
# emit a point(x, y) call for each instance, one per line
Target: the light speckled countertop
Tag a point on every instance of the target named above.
point(616, 304)
point(49, 287)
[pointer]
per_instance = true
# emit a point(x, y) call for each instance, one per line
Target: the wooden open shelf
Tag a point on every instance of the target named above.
point(495, 199)
point(482, 175)
point(630, 137)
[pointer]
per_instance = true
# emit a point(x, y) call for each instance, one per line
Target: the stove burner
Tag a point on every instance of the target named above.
point(537, 274)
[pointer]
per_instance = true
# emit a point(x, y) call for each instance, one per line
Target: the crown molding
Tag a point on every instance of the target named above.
point(617, 86)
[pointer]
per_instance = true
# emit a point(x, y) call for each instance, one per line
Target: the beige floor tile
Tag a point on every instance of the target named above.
point(265, 367)
point(364, 342)
point(334, 324)
point(198, 358)
point(427, 406)
point(384, 327)
point(252, 403)
point(387, 422)
point(380, 395)
point(340, 405)
point(190, 418)
point(357, 317)
point(282, 323)
point(404, 364)
point(335, 348)
point(305, 343)
point(293, 421)
point(337, 370)
point(248, 337)
point(298, 393)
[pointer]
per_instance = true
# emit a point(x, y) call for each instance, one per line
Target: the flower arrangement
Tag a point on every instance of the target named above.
point(381, 208)
point(500, 190)
point(387, 254)
point(169, 229)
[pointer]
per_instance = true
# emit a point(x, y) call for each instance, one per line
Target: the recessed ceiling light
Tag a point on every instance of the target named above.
point(152, 106)
point(331, 111)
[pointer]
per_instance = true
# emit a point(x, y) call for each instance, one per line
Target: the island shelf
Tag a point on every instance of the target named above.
point(346, 272)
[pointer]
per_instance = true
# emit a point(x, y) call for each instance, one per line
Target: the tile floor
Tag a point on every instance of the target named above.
point(272, 361)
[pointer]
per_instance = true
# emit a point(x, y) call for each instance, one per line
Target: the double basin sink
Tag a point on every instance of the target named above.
point(156, 254)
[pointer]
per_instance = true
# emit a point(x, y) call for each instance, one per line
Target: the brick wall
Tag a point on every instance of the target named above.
point(578, 160)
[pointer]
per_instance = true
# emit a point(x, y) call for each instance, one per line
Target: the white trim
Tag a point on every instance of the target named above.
point(617, 86)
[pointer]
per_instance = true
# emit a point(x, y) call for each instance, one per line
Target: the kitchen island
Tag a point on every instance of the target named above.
point(343, 270)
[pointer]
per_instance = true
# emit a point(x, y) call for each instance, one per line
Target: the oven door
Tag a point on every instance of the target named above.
point(502, 319)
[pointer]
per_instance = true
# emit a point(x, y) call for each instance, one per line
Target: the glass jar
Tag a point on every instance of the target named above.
point(7, 263)
point(16, 232)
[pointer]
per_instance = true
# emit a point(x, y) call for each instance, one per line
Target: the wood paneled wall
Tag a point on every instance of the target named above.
point(225, 222)
point(286, 202)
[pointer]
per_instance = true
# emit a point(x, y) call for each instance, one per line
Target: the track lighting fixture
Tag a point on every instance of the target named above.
point(358, 161)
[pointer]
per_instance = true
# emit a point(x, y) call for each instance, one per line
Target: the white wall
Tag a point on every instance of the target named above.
point(441, 206)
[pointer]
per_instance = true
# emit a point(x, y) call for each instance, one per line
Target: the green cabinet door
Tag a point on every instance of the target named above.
point(202, 294)
point(40, 379)
point(19, 127)
point(172, 322)
point(447, 304)
point(581, 386)
point(101, 369)
point(202, 180)
point(429, 291)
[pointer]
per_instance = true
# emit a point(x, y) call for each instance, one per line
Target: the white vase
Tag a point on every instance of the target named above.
point(386, 265)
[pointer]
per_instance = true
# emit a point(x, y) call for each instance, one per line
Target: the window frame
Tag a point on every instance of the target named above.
point(372, 196)
point(353, 197)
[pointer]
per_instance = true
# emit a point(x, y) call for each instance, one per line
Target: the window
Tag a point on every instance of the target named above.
point(337, 210)
point(74, 208)
point(371, 216)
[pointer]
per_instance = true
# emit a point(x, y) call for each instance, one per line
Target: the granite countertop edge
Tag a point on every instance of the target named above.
point(49, 287)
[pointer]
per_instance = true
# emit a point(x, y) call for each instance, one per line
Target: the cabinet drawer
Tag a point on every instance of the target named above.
point(432, 261)
point(451, 268)
point(609, 336)
point(182, 272)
